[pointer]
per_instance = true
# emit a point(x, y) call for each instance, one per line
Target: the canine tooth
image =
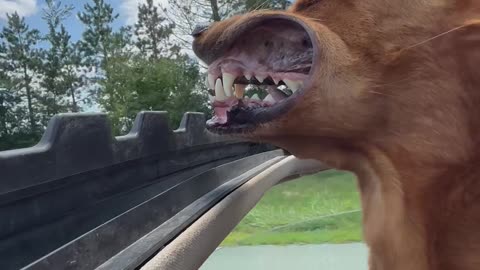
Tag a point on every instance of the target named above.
point(248, 76)
point(269, 99)
point(219, 93)
point(239, 90)
point(260, 78)
point(228, 83)
point(276, 81)
point(255, 97)
point(211, 81)
point(293, 85)
point(211, 98)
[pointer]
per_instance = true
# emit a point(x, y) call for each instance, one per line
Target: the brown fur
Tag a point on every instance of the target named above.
point(396, 100)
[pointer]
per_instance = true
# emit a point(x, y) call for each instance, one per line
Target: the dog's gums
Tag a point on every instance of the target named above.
point(386, 89)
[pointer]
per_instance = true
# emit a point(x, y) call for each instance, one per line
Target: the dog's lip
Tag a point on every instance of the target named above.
point(273, 113)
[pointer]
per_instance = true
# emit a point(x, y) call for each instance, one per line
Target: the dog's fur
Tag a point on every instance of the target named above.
point(396, 100)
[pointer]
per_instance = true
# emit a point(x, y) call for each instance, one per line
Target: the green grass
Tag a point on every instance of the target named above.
point(313, 210)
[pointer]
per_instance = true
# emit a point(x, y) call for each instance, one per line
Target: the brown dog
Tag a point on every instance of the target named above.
point(387, 89)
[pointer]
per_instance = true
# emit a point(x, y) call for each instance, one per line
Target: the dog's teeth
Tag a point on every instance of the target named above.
point(239, 90)
point(219, 93)
point(255, 97)
point(276, 81)
point(269, 99)
point(211, 98)
point(276, 94)
point(228, 80)
point(260, 78)
point(211, 81)
point(248, 76)
point(293, 85)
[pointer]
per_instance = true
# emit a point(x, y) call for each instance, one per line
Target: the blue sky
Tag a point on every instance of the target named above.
point(32, 10)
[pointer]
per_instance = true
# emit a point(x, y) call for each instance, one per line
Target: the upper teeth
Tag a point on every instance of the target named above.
point(219, 92)
point(293, 85)
point(260, 78)
point(228, 83)
point(225, 88)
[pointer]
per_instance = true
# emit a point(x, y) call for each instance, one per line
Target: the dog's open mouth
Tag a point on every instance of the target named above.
point(260, 76)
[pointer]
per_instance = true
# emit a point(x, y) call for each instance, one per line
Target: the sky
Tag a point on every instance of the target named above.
point(32, 10)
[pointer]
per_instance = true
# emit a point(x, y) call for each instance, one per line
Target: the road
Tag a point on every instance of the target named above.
point(308, 257)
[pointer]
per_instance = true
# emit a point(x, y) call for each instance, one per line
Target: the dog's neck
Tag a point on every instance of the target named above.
point(418, 203)
point(420, 183)
point(418, 210)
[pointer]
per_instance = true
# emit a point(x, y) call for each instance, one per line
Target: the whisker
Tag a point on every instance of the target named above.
point(434, 37)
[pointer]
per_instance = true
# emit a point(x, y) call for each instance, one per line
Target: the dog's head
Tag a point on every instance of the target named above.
point(344, 72)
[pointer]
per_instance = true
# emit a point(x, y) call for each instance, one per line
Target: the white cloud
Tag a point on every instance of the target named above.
point(129, 9)
point(22, 7)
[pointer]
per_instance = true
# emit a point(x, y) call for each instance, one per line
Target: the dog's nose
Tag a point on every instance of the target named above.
point(199, 29)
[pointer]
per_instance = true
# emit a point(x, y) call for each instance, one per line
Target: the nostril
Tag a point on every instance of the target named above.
point(199, 29)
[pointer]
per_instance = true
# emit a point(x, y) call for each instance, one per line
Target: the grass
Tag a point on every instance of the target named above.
point(316, 209)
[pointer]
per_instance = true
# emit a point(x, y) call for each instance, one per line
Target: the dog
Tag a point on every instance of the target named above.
point(386, 89)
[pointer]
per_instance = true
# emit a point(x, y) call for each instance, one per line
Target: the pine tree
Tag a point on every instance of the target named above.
point(100, 44)
point(7, 99)
point(72, 81)
point(152, 30)
point(56, 58)
point(21, 56)
point(96, 39)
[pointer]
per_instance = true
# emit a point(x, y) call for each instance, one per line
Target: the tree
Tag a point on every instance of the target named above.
point(57, 59)
point(189, 93)
point(21, 57)
point(96, 39)
point(7, 100)
point(72, 79)
point(141, 84)
point(152, 30)
point(100, 43)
